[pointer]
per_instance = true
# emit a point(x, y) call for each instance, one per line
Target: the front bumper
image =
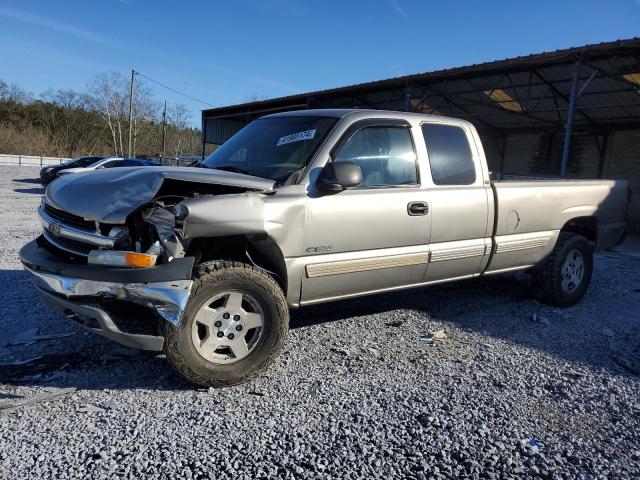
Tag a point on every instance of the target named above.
point(81, 292)
point(47, 176)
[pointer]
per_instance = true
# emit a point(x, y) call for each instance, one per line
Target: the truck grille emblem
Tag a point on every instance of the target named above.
point(54, 228)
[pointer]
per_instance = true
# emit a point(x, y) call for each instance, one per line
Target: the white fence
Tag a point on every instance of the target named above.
point(30, 160)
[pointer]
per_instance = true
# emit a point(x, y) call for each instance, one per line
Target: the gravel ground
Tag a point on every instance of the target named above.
point(356, 393)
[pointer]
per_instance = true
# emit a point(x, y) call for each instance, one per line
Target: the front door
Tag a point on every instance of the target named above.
point(374, 236)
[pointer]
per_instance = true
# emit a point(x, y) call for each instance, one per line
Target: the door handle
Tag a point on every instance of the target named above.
point(417, 208)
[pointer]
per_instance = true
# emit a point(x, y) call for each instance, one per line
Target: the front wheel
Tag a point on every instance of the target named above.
point(234, 326)
point(563, 278)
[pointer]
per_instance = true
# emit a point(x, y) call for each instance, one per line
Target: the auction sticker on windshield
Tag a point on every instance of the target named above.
point(297, 137)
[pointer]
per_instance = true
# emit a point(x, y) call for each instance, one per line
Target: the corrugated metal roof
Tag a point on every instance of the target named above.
point(523, 92)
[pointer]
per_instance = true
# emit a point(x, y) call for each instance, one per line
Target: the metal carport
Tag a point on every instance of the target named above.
point(572, 112)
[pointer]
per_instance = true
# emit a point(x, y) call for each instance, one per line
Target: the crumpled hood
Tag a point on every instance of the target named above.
point(111, 194)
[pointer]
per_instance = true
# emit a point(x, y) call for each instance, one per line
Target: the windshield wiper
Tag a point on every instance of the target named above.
point(233, 168)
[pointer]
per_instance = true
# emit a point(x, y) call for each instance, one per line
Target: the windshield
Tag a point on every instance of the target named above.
point(273, 147)
point(102, 161)
point(83, 161)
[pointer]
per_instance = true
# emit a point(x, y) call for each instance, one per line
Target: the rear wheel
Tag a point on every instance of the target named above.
point(563, 278)
point(234, 325)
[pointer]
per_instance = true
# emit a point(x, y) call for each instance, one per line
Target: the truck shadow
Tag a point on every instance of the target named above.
point(497, 308)
point(434, 301)
point(28, 180)
point(502, 307)
point(37, 191)
point(80, 359)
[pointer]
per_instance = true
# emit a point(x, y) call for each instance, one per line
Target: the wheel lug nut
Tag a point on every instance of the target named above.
point(220, 334)
point(236, 317)
point(218, 323)
point(225, 315)
point(239, 328)
point(230, 336)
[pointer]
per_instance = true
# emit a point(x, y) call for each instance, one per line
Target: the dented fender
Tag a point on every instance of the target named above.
point(279, 215)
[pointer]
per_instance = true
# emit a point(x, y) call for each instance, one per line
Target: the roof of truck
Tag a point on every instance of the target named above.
point(344, 112)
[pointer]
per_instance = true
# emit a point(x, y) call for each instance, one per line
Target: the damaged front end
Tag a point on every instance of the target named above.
point(115, 260)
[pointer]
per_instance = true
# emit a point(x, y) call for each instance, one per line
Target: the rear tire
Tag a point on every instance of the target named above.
point(233, 328)
point(562, 279)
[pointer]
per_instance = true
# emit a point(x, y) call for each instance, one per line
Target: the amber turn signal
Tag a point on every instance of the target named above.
point(120, 258)
point(134, 259)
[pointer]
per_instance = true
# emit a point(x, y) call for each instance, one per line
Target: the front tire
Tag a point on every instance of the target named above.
point(233, 328)
point(562, 279)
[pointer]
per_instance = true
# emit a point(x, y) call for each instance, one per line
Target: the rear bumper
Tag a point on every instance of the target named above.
point(80, 292)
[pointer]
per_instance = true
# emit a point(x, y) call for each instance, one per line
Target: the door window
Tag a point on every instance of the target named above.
point(111, 164)
point(385, 155)
point(449, 154)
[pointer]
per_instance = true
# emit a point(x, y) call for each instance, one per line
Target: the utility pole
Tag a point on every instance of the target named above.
point(131, 107)
point(164, 131)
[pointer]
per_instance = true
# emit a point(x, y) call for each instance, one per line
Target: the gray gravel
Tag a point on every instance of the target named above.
point(356, 394)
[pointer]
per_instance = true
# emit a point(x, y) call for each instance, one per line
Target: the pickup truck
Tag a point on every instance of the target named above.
point(300, 208)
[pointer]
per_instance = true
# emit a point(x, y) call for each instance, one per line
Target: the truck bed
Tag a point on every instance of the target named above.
point(529, 215)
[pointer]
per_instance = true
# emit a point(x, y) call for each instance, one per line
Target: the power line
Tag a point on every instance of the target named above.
point(174, 90)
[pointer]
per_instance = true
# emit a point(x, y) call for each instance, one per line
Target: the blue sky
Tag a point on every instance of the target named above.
point(227, 52)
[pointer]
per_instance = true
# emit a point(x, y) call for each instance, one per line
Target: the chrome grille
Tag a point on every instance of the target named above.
point(73, 234)
point(68, 246)
point(69, 218)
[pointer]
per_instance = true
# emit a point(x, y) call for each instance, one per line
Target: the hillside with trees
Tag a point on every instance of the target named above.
point(67, 123)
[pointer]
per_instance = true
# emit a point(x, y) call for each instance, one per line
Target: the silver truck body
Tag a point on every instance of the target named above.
point(323, 247)
point(362, 241)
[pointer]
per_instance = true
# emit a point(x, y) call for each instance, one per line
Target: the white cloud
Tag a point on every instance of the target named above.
point(401, 11)
point(65, 28)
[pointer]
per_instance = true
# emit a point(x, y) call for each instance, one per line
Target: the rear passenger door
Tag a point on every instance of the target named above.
point(460, 240)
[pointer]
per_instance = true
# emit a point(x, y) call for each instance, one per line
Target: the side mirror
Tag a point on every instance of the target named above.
point(338, 176)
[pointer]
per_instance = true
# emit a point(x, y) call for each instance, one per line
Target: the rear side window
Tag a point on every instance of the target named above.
point(385, 156)
point(112, 163)
point(449, 154)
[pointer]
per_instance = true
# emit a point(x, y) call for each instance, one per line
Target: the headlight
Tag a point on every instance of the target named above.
point(124, 258)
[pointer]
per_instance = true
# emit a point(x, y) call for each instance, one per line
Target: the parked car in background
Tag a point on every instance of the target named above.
point(182, 161)
point(50, 172)
point(109, 162)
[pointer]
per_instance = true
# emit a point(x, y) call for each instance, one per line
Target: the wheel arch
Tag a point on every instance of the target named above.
point(587, 226)
point(259, 250)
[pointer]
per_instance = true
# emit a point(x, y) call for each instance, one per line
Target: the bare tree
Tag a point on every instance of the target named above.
point(67, 118)
point(179, 119)
point(110, 97)
point(254, 97)
point(69, 123)
point(109, 92)
point(13, 93)
point(146, 110)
